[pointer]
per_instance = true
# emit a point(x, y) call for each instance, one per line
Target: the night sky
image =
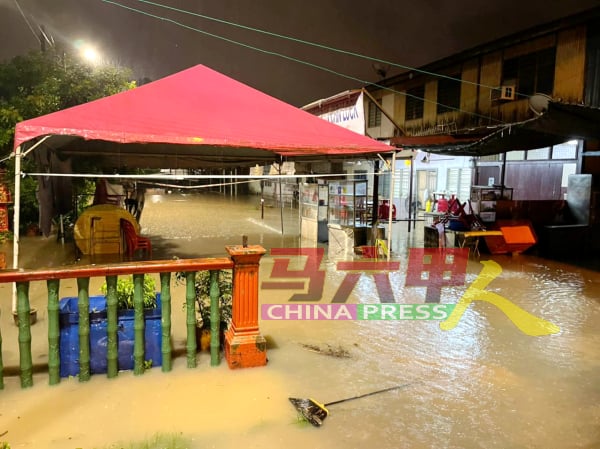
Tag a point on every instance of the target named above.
point(411, 33)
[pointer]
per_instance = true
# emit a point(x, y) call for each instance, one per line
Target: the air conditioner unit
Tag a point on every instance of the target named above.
point(507, 92)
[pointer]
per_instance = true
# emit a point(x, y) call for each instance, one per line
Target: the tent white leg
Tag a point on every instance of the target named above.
point(392, 181)
point(16, 221)
point(280, 199)
point(17, 211)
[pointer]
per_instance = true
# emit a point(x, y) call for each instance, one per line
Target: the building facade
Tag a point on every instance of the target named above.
point(487, 104)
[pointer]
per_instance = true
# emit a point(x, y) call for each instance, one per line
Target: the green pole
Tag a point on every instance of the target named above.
point(165, 314)
point(190, 298)
point(53, 332)
point(23, 312)
point(112, 349)
point(215, 319)
point(83, 305)
point(138, 324)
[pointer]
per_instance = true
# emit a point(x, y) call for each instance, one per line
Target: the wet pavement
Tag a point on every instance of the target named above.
point(482, 384)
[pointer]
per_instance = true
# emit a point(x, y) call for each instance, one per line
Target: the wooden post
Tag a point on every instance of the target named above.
point(244, 345)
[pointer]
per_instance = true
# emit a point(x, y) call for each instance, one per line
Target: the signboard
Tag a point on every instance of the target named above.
point(348, 113)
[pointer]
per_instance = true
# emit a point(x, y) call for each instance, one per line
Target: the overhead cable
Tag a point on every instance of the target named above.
point(300, 61)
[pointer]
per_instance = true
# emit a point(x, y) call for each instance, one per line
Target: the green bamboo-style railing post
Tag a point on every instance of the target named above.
point(22, 278)
point(215, 319)
point(165, 320)
point(1, 364)
point(138, 324)
point(112, 347)
point(190, 307)
point(23, 312)
point(83, 307)
point(53, 332)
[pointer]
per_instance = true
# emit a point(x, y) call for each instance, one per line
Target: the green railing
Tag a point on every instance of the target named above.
point(165, 269)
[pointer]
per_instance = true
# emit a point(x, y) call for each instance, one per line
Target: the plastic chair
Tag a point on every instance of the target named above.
point(101, 195)
point(133, 240)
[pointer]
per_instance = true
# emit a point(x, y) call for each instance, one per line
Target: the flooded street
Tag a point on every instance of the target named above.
point(483, 384)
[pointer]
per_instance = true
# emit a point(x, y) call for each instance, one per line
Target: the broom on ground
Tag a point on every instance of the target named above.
point(315, 412)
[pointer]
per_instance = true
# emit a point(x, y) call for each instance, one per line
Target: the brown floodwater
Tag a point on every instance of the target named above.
point(483, 384)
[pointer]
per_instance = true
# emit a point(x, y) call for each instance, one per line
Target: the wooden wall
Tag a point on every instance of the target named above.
point(569, 76)
point(569, 79)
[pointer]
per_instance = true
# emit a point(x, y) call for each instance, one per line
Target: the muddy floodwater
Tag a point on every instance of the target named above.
point(483, 384)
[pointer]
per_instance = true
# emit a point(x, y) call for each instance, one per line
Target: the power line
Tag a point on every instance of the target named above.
point(310, 64)
point(27, 22)
point(322, 46)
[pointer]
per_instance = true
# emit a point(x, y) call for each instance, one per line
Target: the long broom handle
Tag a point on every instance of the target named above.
point(397, 387)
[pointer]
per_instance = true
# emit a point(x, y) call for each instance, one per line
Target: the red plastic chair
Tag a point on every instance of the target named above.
point(133, 240)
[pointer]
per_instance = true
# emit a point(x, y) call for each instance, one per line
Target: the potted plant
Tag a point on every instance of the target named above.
point(125, 292)
point(202, 288)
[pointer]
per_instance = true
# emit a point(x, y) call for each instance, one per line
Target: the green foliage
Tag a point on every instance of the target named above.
point(4, 445)
point(40, 83)
point(43, 82)
point(202, 287)
point(125, 292)
point(9, 116)
point(29, 201)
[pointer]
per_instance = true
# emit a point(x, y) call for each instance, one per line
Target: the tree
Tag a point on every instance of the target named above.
point(43, 82)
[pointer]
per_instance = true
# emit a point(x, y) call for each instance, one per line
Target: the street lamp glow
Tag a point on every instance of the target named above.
point(91, 55)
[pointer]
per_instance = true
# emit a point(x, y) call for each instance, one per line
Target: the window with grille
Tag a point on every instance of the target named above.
point(567, 150)
point(490, 158)
point(531, 73)
point(448, 94)
point(538, 154)
point(517, 155)
point(374, 114)
point(458, 181)
point(414, 103)
point(401, 183)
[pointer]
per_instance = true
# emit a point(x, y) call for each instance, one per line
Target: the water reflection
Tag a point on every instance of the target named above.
point(483, 384)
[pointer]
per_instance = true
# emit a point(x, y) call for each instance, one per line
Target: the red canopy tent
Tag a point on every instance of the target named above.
point(196, 117)
point(192, 119)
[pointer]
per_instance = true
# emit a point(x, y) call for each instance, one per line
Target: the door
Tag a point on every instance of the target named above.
point(426, 185)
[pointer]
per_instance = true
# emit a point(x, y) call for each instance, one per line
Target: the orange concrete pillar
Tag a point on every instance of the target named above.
point(245, 347)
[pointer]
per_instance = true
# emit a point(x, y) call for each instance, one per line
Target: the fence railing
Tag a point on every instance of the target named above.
point(244, 262)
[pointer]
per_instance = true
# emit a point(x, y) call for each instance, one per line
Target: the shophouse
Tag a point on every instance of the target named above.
point(521, 112)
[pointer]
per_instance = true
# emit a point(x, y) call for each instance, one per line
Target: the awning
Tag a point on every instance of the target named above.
point(559, 123)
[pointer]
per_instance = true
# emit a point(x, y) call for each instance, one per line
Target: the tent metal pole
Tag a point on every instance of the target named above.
point(262, 200)
point(16, 221)
point(17, 212)
point(375, 204)
point(280, 198)
point(391, 208)
point(410, 192)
